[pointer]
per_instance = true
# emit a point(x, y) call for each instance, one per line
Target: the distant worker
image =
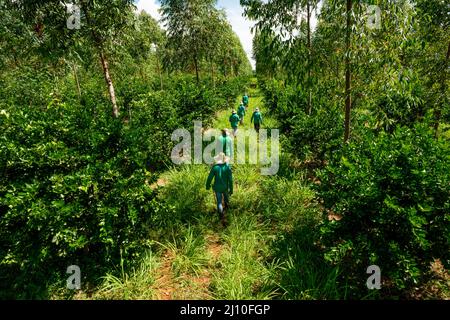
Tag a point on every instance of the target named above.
point(241, 112)
point(223, 184)
point(234, 121)
point(226, 144)
point(256, 119)
point(245, 100)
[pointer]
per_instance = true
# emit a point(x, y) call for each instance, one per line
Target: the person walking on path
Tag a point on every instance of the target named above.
point(256, 119)
point(226, 144)
point(245, 100)
point(241, 112)
point(223, 184)
point(234, 121)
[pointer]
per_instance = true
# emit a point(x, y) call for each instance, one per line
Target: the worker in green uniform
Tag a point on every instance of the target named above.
point(223, 184)
point(245, 100)
point(241, 112)
point(256, 119)
point(234, 121)
point(226, 144)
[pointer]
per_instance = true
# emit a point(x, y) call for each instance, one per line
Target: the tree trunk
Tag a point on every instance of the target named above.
point(308, 18)
point(109, 83)
point(76, 80)
point(348, 98)
point(160, 73)
point(104, 61)
point(212, 74)
point(437, 109)
point(196, 68)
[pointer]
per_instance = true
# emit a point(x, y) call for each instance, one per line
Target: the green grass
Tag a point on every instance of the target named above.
point(187, 252)
point(136, 284)
point(244, 273)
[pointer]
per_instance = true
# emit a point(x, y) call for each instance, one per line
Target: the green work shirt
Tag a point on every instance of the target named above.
point(256, 117)
point(241, 111)
point(225, 144)
point(234, 120)
point(223, 178)
point(245, 100)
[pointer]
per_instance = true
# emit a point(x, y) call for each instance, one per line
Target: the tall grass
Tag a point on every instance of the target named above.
point(187, 253)
point(304, 273)
point(185, 191)
point(134, 284)
point(243, 273)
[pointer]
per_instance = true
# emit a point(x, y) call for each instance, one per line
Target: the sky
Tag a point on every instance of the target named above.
point(234, 13)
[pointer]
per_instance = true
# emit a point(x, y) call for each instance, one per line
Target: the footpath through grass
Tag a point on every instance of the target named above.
point(267, 251)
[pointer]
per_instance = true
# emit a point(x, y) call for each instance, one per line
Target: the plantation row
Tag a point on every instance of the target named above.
point(365, 110)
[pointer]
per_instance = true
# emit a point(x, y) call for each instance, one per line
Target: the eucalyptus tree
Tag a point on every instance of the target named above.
point(216, 26)
point(189, 32)
point(287, 24)
point(266, 62)
point(230, 55)
point(101, 26)
point(142, 49)
point(434, 26)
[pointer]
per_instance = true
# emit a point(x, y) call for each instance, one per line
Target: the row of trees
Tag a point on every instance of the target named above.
point(383, 90)
point(125, 43)
point(198, 33)
point(349, 59)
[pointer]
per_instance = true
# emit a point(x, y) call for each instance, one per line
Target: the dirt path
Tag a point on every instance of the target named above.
point(165, 285)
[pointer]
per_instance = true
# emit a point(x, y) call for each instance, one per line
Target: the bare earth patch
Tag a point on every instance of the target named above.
point(165, 285)
point(161, 182)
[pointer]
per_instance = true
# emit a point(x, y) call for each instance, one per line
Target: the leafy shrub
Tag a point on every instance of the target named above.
point(316, 136)
point(393, 193)
point(72, 191)
point(312, 135)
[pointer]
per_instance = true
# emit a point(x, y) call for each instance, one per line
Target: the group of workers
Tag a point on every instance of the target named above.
point(221, 171)
point(237, 118)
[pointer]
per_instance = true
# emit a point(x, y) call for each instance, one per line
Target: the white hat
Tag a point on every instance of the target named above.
point(221, 158)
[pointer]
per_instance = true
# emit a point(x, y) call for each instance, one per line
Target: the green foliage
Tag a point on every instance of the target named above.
point(309, 135)
point(400, 103)
point(393, 193)
point(72, 192)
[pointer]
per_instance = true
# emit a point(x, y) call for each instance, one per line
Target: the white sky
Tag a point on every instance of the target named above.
point(234, 12)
